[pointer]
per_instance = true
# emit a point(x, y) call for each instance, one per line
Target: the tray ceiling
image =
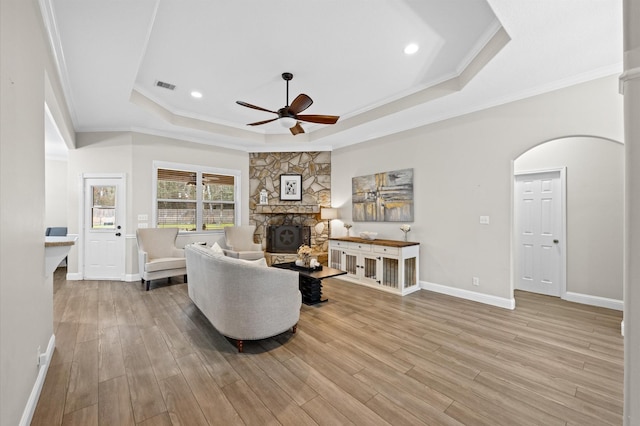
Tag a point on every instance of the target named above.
point(346, 55)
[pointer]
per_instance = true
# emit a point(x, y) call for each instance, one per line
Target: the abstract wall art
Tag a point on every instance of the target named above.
point(383, 197)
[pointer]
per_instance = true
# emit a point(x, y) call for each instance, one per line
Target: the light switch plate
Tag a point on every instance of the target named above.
point(484, 220)
point(143, 217)
point(143, 225)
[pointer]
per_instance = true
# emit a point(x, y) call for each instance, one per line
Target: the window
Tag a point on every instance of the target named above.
point(103, 207)
point(193, 198)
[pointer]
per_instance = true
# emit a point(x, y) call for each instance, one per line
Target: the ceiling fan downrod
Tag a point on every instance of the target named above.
point(287, 76)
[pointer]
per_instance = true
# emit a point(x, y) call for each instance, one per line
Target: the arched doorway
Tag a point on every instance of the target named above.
point(594, 220)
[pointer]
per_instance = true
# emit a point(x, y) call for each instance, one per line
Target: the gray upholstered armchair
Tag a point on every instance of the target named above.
point(158, 256)
point(239, 243)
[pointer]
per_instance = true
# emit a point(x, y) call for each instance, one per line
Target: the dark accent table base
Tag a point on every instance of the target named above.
point(311, 289)
point(310, 282)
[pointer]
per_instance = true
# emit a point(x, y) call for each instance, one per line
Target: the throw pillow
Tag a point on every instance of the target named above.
point(259, 262)
point(216, 249)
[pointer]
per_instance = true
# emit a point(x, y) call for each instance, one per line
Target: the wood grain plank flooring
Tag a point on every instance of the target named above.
point(125, 356)
point(114, 402)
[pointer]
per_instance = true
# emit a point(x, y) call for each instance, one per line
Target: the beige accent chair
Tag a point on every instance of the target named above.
point(158, 256)
point(239, 243)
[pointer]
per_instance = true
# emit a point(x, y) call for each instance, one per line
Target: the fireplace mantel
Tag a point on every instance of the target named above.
point(287, 209)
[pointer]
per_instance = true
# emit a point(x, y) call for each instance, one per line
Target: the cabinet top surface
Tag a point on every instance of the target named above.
point(387, 243)
point(59, 241)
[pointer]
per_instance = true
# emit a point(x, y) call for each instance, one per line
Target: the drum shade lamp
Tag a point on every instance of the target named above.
point(328, 214)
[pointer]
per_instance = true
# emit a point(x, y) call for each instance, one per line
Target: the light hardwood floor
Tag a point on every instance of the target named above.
point(125, 356)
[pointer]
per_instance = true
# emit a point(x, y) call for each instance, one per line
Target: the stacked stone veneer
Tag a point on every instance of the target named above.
point(264, 172)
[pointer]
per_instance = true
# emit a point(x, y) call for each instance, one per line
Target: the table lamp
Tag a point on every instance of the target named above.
point(328, 214)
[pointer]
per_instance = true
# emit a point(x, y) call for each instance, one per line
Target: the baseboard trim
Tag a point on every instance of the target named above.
point(487, 299)
point(32, 402)
point(74, 276)
point(602, 302)
point(131, 277)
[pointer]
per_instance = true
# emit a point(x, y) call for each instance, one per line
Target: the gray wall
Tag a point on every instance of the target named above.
point(26, 301)
point(463, 168)
point(595, 207)
point(108, 152)
point(55, 193)
point(133, 154)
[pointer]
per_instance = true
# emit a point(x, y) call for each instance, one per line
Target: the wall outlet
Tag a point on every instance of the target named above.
point(475, 281)
point(484, 220)
point(38, 356)
point(143, 225)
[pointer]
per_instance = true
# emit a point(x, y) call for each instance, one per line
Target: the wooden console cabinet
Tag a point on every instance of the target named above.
point(387, 265)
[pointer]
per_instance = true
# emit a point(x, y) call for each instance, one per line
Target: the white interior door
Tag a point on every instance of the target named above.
point(104, 241)
point(539, 233)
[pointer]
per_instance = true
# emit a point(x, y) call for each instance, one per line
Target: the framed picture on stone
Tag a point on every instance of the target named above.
point(290, 187)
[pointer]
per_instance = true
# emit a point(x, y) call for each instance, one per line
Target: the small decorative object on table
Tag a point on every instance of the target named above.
point(304, 256)
point(405, 228)
point(348, 226)
point(368, 235)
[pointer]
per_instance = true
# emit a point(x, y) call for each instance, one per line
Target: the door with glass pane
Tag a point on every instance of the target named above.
point(104, 241)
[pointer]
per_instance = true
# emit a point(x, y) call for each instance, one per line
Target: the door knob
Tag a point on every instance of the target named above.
point(555, 241)
point(118, 234)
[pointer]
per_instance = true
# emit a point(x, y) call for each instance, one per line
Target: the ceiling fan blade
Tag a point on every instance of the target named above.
point(296, 129)
point(322, 119)
point(254, 107)
point(257, 123)
point(300, 103)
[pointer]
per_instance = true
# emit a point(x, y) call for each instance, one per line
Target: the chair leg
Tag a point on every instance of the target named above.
point(294, 329)
point(148, 282)
point(185, 278)
point(240, 345)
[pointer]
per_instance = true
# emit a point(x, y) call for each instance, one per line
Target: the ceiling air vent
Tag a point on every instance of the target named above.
point(165, 85)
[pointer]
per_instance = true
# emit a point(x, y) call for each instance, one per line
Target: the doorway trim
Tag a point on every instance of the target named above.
point(81, 216)
point(563, 226)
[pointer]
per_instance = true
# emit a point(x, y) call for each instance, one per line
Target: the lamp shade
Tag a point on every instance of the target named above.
point(328, 213)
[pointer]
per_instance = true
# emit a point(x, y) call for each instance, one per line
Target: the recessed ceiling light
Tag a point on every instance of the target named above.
point(411, 48)
point(196, 94)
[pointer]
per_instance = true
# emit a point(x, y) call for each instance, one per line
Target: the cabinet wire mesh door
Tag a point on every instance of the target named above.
point(351, 264)
point(370, 268)
point(410, 278)
point(336, 261)
point(390, 272)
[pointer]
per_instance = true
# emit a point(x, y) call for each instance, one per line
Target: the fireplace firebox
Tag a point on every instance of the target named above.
point(287, 238)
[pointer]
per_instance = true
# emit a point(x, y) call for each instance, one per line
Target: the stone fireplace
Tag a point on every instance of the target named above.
point(265, 170)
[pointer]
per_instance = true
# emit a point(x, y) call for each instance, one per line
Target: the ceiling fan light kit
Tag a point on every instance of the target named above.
point(288, 122)
point(288, 116)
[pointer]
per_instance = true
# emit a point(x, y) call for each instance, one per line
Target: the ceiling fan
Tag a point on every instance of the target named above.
point(289, 115)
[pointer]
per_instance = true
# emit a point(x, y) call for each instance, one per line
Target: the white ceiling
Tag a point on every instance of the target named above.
point(346, 55)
